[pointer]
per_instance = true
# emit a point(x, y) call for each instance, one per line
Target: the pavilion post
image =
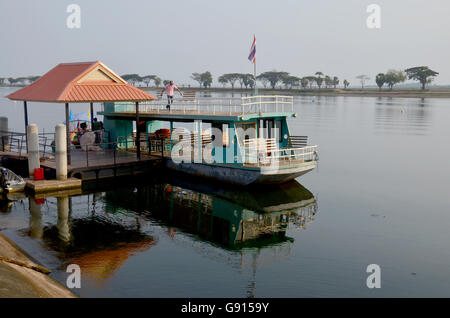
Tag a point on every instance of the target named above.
point(25, 114)
point(138, 134)
point(68, 133)
point(92, 116)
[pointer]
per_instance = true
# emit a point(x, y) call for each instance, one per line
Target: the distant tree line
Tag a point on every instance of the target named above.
point(423, 74)
point(18, 81)
point(135, 79)
point(275, 79)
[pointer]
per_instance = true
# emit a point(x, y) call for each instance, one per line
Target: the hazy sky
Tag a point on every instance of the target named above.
point(175, 38)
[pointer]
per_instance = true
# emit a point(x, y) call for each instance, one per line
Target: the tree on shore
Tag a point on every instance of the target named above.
point(362, 78)
point(273, 77)
point(422, 74)
point(335, 81)
point(319, 79)
point(222, 80)
point(290, 81)
point(346, 84)
point(231, 78)
point(206, 79)
point(133, 79)
point(304, 82)
point(198, 78)
point(380, 79)
point(248, 80)
point(147, 79)
point(157, 81)
point(311, 80)
point(263, 81)
point(328, 81)
point(393, 77)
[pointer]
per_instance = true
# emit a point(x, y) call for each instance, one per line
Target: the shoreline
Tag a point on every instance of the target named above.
point(352, 92)
point(356, 92)
point(21, 277)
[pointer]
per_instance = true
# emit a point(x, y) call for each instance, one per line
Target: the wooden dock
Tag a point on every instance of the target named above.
point(92, 165)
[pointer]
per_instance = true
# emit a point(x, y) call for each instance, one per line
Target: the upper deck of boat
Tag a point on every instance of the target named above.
point(209, 110)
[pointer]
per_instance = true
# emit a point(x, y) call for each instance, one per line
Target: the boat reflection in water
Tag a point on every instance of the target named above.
point(130, 220)
point(231, 217)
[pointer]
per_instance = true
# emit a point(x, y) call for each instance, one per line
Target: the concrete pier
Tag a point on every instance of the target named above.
point(61, 152)
point(33, 148)
point(52, 185)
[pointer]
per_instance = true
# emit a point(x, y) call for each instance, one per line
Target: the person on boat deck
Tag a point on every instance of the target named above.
point(169, 88)
point(95, 124)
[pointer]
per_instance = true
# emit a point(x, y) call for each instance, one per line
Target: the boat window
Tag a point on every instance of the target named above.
point(279, 130)
point(245, 131)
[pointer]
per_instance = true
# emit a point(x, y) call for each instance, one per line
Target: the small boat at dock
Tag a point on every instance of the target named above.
point(10, 182)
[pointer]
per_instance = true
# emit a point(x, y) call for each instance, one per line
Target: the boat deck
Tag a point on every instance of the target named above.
point(191, 115)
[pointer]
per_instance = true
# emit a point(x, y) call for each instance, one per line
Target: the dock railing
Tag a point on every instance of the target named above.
point(13, 142)
point(16, 143)
point(231, 107)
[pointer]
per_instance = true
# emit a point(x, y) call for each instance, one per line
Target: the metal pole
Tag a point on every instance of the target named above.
point(87, 156)
point(68, 133)
point(138, 135)
point(25, 113)
point(92, 116)
point(254, 70)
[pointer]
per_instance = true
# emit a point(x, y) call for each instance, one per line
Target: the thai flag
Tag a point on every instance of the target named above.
point(252, 56)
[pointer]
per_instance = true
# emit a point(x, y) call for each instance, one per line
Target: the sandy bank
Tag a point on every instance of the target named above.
point(20, 277)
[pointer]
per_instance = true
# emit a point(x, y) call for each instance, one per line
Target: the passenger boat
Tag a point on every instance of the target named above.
point(10, 182)
point(245, 142)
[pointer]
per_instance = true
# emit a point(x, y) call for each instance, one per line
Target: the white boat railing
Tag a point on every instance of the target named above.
point(232, 107)
point(264, 153)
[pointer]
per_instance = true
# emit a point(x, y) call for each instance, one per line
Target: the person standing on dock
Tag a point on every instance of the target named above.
point(169, 88)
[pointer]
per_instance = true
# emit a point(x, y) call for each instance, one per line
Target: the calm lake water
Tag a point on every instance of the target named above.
point(379, 196)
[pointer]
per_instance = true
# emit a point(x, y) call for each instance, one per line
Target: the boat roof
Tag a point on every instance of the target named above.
point(207, 110)
point(187, 117)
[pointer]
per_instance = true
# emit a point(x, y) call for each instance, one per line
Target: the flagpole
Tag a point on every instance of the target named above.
point(254, 70)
